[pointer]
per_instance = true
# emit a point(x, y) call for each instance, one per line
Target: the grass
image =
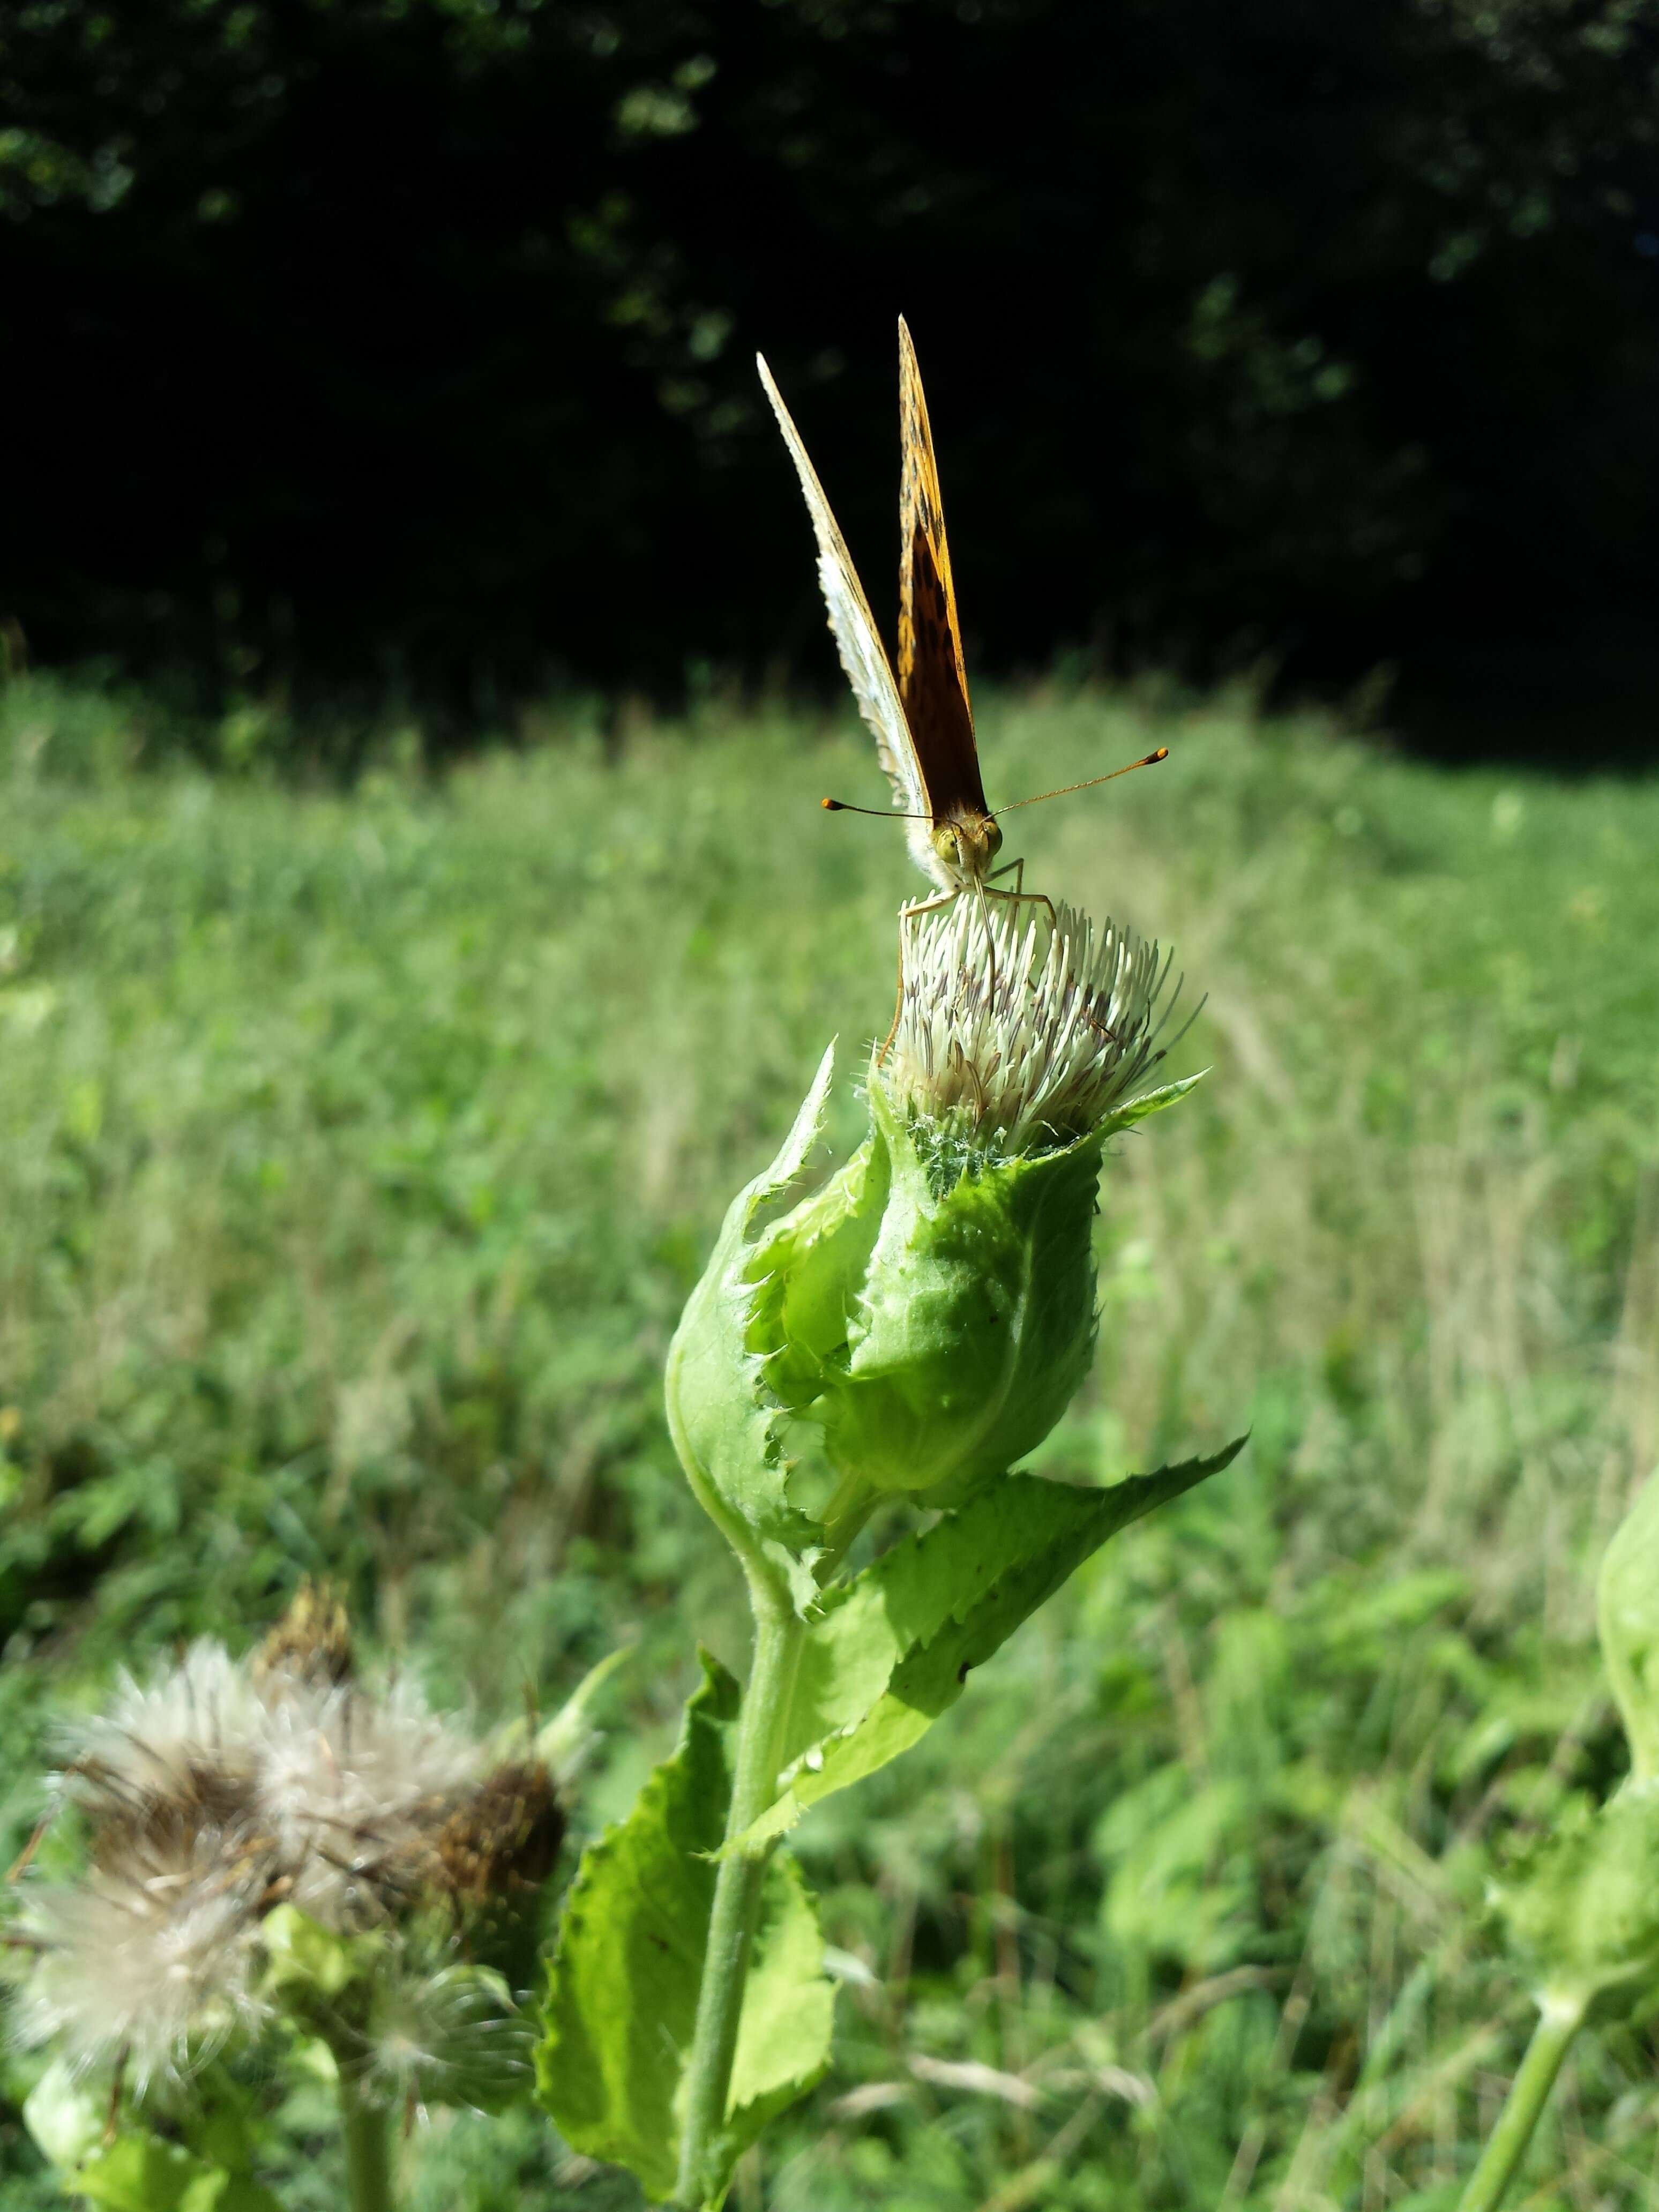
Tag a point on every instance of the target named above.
point(359, 1151)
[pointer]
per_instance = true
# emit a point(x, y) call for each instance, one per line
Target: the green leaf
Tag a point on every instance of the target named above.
point(64, 2116)
point(141, 2173)
point(224, 2126)
point(216, 2191)
point(788, 2009)
point(894, 1649)
point(623, 1985)
point(138, 2173)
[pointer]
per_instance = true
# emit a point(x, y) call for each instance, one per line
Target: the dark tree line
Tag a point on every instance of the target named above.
point(354, 336)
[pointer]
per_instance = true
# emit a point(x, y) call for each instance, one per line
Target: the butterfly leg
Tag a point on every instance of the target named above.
point(1019, 894)
point(898, 1002)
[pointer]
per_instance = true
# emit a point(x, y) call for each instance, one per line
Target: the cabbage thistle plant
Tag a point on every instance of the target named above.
point(907, 1331)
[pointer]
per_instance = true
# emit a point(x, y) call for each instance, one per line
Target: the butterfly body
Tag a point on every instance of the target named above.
point(919, 717)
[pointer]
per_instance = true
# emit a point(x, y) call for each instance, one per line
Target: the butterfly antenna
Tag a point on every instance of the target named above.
point(1151, 760)
point(881, 813)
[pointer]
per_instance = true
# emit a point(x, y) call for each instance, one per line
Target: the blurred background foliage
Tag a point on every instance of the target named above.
point(358, 1149)
point(407, 343)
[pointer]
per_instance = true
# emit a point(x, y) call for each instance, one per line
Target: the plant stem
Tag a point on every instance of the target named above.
point(778, 1634)
point(367, 2131)
point(1560, 2016)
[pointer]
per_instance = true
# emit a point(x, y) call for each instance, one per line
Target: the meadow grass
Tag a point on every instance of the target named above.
point(357, 1151)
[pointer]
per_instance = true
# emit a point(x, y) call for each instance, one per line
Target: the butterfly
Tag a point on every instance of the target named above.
point(921, 720)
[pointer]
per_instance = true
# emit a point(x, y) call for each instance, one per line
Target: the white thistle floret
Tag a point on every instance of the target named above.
point(1017, 1031)
point(149, 1960)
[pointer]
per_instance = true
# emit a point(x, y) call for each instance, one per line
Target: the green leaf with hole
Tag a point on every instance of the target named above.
point(892, 1651)
point(622, 1985)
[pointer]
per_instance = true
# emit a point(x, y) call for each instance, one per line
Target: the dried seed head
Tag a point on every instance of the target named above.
point(504, 1836)
point(311, 1644)
point(219, 1791)
point(1016, 1032)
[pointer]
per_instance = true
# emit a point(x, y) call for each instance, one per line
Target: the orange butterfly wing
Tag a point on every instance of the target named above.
point(932, 680)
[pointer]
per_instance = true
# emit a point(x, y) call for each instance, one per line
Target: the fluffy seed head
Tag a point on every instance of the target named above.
point(190, 1737)
point(1016, 1032)
point(221, 1790)
point(350, 1787)
point(149, 1957)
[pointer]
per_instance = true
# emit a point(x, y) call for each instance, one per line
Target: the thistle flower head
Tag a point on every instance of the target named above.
point(1021, 1026)
point(502, 1836)
point(931, 1308)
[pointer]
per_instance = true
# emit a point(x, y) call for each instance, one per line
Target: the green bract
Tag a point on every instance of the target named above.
point(935, 1324)
point(1586, 1911)
point(930, 1309)
point(1628, 1598)
point(1586, 1915)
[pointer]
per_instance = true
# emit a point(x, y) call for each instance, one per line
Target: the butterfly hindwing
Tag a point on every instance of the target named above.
point(932, 677)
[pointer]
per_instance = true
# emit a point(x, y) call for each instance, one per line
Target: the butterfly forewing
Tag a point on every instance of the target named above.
point(932, 679)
